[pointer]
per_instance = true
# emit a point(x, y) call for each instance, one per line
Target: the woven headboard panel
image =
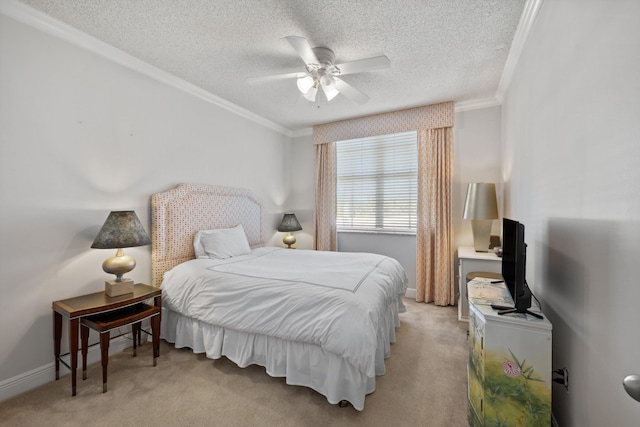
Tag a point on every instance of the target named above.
point(177, 214)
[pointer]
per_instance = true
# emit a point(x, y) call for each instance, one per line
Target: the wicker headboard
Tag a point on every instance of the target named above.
point(177, 214)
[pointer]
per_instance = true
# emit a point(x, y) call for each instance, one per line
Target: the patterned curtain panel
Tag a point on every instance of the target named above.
point(434, 275)
point(324, 218)
point(434, 124)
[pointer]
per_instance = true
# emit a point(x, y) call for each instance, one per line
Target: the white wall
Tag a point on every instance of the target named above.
point(571, 175)
point(81, 136)
point(401, 247)
point(300, 191)
point(477, 136)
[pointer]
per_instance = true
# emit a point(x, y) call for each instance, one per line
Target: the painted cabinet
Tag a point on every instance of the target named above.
point(509, 369)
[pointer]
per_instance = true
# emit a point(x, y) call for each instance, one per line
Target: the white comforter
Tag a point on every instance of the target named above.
point(331, 299)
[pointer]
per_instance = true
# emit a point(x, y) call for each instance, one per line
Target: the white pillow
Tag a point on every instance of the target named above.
point(221, 243)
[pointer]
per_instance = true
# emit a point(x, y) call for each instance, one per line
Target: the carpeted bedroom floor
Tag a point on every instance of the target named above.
point(425, 385)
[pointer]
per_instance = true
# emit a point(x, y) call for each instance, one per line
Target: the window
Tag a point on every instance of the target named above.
point(377, 183)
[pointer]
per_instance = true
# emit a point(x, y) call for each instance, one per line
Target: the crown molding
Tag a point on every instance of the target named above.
point(301, 132)
point(475, 104)
point(43, 22)
point(525, 26)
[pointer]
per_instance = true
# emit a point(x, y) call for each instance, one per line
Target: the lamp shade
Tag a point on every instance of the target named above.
point(310, 95)
point(289, 223)
point(305, 83)
point(122, 229)
point(481, 201)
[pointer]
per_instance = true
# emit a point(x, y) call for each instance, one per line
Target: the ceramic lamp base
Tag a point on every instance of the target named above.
point(114, 289)
point(289, 240)
point(481, 234)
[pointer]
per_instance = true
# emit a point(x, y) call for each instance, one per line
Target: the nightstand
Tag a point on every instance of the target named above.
point(469, 261)
point(103, 313)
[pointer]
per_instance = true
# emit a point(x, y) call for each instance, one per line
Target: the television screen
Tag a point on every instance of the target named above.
point(509, 253)
point(514, 263)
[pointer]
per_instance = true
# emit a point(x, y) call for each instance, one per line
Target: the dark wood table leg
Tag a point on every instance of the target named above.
point(84, 335)
point(135, 331)
point(155, 334)
point(73, 349)
point(104, 356)
point(157, 301)
point(57, 337)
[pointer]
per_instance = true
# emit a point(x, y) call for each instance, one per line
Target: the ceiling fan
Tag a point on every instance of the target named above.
point(323, 73)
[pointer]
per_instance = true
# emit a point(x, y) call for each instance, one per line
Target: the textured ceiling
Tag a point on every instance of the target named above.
point(440, 50)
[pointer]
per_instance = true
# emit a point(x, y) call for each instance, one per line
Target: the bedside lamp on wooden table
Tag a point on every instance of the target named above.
point(122, 229)
point(289, 223)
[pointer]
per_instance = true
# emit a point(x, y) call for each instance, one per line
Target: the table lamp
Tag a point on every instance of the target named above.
point(481, 207)
point(289, 223)
point(122, 229)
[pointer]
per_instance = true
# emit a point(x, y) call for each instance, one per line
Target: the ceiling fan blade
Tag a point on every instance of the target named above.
point(262, 79)
point(350, 92)
point(301, 45)
point(366, 64)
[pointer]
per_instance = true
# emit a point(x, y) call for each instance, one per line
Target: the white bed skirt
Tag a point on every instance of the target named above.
point(302, 364)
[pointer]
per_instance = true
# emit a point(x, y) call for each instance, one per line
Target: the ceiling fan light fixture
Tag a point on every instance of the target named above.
point(328, 84)
point(331, 92)
point(321, 70)
point(310, 95)
point(305, 83)
point(327, 81)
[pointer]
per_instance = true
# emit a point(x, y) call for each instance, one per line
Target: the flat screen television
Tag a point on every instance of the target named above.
point(514, 265)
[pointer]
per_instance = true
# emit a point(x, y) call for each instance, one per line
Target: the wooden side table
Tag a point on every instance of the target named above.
point(103, 312)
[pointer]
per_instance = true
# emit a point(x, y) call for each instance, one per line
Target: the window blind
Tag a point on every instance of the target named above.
point(377, 183)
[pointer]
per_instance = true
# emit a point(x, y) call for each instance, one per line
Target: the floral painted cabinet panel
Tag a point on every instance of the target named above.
point(509, 369)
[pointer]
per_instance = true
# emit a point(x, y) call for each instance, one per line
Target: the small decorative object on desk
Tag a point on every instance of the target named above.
point(486, 292)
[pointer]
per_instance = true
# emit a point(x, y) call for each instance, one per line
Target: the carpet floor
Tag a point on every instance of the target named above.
point(425, 385)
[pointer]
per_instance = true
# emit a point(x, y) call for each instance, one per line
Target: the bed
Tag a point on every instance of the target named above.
point(323, 320)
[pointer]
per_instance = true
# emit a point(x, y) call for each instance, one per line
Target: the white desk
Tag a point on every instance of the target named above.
point(469, 261)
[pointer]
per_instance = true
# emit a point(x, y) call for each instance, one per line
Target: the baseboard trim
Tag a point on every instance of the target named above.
point(410, 293)
point(47, 373)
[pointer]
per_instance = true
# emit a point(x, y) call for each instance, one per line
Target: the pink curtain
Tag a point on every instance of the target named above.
point(434, 124)
point(325, 197)
point(434, 275)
